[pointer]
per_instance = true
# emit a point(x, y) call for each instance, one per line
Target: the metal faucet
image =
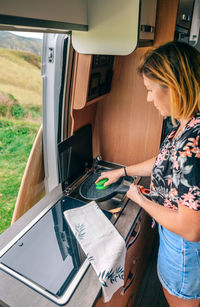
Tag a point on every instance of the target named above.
point(96, 161)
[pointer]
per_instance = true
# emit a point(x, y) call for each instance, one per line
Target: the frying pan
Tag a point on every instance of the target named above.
point(88, 189)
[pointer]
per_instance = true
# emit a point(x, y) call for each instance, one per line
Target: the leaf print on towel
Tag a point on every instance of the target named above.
point(120, 272)
point(111, 276)
point(90, 258)
point(97, 207)
point(79, 234)
point(101, 279)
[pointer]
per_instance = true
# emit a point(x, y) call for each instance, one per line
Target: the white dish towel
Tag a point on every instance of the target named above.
point(103, 245)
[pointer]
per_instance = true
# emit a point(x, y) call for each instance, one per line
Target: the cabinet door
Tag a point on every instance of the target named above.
point(139, 247)
point(139, 253)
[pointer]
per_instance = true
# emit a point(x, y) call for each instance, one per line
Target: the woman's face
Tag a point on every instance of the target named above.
point(159, 95)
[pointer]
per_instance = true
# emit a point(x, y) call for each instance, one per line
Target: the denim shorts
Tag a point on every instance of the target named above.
point(178, 265)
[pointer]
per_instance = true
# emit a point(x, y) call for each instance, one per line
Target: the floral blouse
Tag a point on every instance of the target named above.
point(176, 172)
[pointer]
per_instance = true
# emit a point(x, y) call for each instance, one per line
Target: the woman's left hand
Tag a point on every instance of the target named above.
point(135, 194)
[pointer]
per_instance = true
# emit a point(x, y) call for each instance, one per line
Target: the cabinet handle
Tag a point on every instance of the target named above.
point(130, 278)
point(147, 28)
point(135, 235)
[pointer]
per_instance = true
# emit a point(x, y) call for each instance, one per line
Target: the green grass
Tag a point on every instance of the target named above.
point(11, 108)
point(16, 140)
point(20, 119)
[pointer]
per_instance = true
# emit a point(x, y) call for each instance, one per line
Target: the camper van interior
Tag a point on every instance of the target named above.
point(95, 118)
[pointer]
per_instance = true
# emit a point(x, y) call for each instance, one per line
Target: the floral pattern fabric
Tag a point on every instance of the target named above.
point(176, 172)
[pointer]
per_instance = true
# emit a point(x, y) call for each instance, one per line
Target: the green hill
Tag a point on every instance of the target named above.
point(20, 119)
point(11, 41)
point(20, 77)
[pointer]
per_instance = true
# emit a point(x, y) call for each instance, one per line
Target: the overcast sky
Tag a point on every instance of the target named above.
point(28, 34)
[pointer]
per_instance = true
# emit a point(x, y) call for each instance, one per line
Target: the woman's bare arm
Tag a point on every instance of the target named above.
point(185, 221)
point(140, 169)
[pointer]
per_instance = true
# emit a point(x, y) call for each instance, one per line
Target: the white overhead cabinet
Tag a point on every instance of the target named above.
point(108, 27)
point(112, 28)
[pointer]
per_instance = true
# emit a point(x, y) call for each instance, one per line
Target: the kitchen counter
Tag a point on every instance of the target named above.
point(14, 293)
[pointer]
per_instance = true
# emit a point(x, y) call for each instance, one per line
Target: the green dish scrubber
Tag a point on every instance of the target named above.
point(100, 184)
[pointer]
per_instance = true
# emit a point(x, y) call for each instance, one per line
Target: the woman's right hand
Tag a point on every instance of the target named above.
point(112, 176)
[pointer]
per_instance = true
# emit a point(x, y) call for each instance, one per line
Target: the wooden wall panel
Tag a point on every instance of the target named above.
point(127, 128)
point(84, 117)
point(32, 187)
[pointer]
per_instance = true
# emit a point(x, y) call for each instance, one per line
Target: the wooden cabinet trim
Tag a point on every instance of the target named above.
point(83, 63)
point(82, 73)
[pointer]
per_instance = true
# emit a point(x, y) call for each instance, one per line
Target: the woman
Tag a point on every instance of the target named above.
point(171, 75)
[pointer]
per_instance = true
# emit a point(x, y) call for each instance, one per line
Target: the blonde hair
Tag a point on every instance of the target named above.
point(177, 66)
